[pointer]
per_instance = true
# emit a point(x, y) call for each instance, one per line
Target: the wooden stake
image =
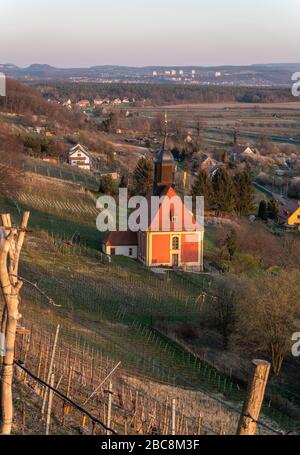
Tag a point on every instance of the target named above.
point(23, 417)
point(255, 397)
point(173, 416)
point(199, 426)
point(108, 422)
point(51, 366)
point(50, 401)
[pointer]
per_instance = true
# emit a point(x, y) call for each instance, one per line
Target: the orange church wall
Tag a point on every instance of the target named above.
point(142, 249)
point(160, 248)
point(189, 250)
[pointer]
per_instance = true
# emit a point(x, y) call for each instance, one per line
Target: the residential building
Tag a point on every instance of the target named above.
point(83, 103)
point(289, 211)
point(79, 156)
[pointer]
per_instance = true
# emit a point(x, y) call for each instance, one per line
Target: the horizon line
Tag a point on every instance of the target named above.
point(149, 65)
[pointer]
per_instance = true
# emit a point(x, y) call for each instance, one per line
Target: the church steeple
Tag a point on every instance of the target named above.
point(164, 165)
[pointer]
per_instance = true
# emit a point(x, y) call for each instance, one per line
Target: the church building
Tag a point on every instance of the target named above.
point(156, 246)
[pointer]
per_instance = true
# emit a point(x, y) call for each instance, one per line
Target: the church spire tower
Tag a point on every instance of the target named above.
point(164, 165)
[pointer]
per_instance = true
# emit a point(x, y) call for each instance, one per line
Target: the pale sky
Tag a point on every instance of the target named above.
point(79, 33)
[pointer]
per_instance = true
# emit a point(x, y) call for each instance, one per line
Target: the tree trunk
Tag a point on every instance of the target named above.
point(10, 249)
point(8, 365)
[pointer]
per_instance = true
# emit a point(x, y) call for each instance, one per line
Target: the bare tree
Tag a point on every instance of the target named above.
point(11, 162)
point(224, 304)
point(11, 243)
point(266, 314)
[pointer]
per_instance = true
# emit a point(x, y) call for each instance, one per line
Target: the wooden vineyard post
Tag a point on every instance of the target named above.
point(50, 401)
point(65, 406)
point(199, 425)
point(108, 421)
point(50, 366)
point(254, 398)
point(173, 417)
point(23, 417)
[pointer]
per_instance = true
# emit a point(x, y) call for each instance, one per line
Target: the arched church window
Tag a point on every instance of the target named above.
point(175, 243)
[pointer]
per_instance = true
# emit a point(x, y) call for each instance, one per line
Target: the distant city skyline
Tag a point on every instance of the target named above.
point(71, 33)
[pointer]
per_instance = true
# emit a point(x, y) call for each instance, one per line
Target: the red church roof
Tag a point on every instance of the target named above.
point(118, 238)
point(187, 217)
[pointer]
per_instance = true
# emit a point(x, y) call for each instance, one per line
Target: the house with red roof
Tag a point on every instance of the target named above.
point(118, 243)
point(173, 238)
point(83, 103)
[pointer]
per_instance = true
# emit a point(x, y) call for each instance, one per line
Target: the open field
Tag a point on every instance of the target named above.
point(278, 122)
point(228, 105)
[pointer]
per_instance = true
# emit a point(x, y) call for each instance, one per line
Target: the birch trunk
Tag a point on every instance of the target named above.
point(10, 249)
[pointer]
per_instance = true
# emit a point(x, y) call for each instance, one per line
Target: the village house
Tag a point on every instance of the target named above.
point(156, 246)
point(79, 156)
point(121, 244)
point(83, 104)
point(98, 102)
point(188, 139)
point(207, 163)
point(289, 212)
point(68, 104)
point(241, 151)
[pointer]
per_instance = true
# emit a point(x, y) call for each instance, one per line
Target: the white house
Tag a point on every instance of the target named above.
point(98, 102)
point(119, 243)
point(240, 151)
point(79, 156)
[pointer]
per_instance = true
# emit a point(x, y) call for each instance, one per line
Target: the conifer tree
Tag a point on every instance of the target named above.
point(273, 209)
point(143, 177)
point(202, 186)
point(124, 180)
point(223, 199)
point(263, 210)
point(107, 185)
point(231, 243)
point(244, 193)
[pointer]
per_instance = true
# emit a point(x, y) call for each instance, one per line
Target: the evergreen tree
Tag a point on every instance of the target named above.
point(263, 210)
point(202, 187)
point(231, 243)
point(273, 209)
point(107, 185)
point(143, 177)
point(124, 180)
point(223, 198)
point(244, 193)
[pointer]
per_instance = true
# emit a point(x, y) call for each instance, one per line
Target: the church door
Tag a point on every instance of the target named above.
point(175, 260)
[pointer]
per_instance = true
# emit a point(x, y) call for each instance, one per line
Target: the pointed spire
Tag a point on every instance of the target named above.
point(166, 131)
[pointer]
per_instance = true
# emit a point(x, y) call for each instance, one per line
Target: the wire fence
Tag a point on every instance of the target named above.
point(77, 371)
point(63, 172)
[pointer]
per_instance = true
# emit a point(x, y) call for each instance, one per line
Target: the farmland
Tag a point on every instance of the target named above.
point(279, 121)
